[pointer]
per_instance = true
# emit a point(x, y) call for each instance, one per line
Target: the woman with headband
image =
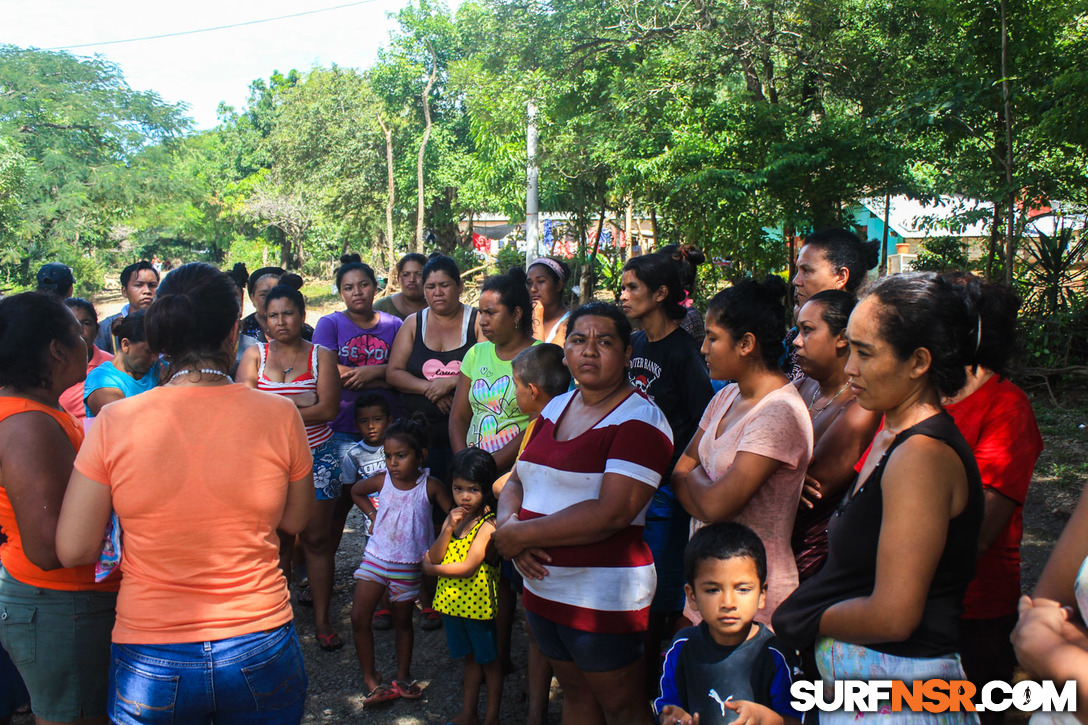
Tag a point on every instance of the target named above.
point(547, 278)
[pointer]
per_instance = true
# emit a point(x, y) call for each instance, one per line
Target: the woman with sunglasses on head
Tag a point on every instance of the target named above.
point(571, 516)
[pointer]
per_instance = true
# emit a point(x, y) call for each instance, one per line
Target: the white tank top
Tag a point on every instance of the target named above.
point(402, 529)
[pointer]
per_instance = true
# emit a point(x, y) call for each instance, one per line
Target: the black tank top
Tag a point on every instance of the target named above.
point(850, 571)
point(429, 364)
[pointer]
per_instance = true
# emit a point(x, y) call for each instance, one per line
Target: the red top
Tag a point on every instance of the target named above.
point(999, 425)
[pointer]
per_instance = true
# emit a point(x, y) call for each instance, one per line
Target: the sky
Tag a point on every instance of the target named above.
point(202, 69)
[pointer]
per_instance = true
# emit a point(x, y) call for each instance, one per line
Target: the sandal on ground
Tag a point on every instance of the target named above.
point(306, 597)
point(431, 619)
point(407, 690)
point(381, 693)
point(383, 619)
point(329, 642)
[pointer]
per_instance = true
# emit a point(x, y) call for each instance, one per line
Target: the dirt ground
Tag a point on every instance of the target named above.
point(336, 690)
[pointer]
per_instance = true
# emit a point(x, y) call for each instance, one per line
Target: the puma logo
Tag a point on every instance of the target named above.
point(717, 698)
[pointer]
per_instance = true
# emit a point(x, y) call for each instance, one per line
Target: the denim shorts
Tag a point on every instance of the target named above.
point(60, 643)
point(249, 679)
point(327, 484)
point(476, 637)
point(590, 651)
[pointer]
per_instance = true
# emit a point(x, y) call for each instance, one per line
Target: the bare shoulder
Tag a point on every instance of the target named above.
point(923, 464)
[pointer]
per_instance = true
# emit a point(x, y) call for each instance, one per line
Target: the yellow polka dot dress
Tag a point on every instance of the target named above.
point(470, 597)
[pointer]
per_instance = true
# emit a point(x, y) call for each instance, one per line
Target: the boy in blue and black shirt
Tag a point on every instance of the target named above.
point(728, 666)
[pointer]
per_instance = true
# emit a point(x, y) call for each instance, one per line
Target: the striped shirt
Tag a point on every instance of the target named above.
point(606, 586)
point(307, 382)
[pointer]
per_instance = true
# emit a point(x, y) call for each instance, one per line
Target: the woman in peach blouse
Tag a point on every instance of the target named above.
point(747, 460)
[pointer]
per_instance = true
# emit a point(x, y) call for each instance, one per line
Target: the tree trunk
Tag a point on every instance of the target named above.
point(423, 145)
point(995, 234)
point(653, 228)
point(1010, 226)
point(391, 252)
point(587, 271)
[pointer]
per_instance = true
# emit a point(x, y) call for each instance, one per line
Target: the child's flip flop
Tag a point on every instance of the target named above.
point(381, 693)
point(407, 690)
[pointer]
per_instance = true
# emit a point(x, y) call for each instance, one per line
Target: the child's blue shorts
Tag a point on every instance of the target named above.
point(476, 637)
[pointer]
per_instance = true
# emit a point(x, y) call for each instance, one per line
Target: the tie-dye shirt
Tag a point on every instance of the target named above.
point(496, 418)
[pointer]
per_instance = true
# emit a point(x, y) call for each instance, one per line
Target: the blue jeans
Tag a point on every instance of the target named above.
point(249, 679)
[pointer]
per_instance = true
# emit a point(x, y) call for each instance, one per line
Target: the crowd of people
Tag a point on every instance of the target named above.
point(693, 510)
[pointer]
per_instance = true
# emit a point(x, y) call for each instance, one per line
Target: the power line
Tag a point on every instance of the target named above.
point(218, 27)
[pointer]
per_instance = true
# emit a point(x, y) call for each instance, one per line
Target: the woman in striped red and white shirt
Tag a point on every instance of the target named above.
point(307, 375)
point(571, 518)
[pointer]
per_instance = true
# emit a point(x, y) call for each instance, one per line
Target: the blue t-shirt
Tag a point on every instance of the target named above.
point(108, 376)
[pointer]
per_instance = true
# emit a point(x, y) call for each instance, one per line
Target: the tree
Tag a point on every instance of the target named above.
point(80, 128)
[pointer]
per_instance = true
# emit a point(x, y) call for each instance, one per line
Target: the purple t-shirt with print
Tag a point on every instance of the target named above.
point(355, 347)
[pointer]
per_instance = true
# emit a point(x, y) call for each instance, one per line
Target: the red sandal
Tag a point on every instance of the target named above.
point(383, 620)
point(381, 693)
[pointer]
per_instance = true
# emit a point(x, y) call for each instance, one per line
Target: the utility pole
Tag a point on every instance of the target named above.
point(532, 190)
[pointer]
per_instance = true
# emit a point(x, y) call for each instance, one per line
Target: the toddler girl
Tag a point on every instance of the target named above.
point(402, 533)
point(467, 571)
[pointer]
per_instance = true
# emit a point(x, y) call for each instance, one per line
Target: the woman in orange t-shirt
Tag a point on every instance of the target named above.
point(54, 622)
point(201, 472)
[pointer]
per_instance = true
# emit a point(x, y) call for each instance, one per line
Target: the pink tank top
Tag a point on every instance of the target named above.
point(402, 529)
point(305, 383)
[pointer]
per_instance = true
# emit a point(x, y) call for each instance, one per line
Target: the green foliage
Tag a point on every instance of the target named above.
point(508, 258)
point(1055, 341)
point(941, 254)
point(1054, 274)
point(79, 129)
point(466, 258)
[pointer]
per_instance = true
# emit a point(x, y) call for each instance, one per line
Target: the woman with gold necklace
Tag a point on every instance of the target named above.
point(841, 429)
point(201, 472)
point(306, 374)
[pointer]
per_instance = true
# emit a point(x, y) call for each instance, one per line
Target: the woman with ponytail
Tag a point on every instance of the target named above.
point(200, 472)
point(667, 368)
point(996, 419)
point(902, 546)
point(687, 258)
point(134, 369)
point(747, 459)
